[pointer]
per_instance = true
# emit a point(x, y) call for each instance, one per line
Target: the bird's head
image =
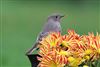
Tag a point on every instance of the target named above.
point(55, 17)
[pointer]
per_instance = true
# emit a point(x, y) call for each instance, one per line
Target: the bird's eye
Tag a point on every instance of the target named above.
point(56, 16)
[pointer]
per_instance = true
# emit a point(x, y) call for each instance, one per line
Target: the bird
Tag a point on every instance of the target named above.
point(53, 24)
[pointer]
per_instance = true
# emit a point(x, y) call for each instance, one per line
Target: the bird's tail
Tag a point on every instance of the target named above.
point(34, 47)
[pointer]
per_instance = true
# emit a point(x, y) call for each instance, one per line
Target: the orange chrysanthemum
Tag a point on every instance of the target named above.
point(68, 50)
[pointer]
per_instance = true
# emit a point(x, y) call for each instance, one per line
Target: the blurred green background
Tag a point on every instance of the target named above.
point(22, 20)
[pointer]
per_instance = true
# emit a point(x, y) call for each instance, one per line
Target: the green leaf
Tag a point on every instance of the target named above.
point(98, 63)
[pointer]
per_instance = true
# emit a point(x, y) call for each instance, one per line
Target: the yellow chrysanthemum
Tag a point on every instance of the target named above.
point(74, 62)
point(98, 51)
point(85, 66)
point(64, 53)
point(88, 51)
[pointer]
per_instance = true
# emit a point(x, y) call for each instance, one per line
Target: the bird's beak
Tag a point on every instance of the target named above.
point(61, 16)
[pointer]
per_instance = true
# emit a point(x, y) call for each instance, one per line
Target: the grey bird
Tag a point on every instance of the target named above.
point(52, 25)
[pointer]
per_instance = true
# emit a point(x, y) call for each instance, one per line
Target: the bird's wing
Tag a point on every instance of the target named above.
point(41, 35)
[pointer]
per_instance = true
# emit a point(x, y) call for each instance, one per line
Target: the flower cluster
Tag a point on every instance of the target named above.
point(69, 50)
